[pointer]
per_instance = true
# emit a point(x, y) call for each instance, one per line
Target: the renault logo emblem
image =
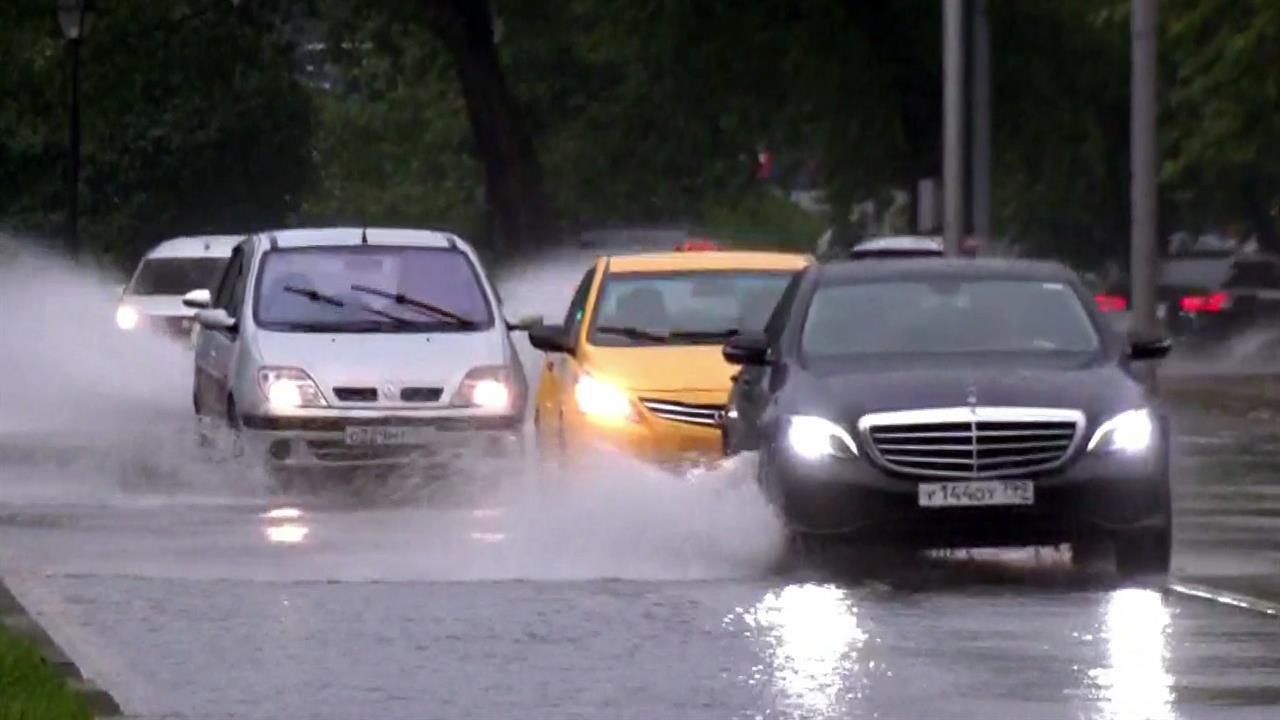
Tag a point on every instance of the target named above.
point(389, 391)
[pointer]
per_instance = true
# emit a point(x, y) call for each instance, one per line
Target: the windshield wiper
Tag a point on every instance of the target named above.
point(635, 333)
point(723, 334)
point(402, 299)
point(314, 295)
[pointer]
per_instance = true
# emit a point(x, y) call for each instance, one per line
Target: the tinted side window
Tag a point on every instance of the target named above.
point(577, 306)
point(778, 319)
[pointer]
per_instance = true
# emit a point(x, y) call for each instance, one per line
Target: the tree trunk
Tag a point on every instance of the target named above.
point(514, 189)
point(1258, 213)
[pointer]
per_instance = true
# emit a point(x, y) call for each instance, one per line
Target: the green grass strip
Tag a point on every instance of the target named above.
point(30, 689)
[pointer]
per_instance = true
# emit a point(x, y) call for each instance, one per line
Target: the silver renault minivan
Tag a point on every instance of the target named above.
point(355, 346)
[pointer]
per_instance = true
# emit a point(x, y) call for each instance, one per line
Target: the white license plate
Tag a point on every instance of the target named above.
point(387, 435)
point(977, 493)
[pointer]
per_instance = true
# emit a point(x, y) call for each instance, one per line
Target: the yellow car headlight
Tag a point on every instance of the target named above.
point(603, 402)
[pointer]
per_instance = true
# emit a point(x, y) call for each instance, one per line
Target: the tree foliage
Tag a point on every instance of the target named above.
point(192, 118)
point(504, 119)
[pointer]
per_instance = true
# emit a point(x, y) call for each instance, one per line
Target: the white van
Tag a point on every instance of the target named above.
point(152, 300)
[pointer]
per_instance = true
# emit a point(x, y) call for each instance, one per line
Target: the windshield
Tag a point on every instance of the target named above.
point(683, 308)
point(176, 276)
point(370, 289)
point(946, 316)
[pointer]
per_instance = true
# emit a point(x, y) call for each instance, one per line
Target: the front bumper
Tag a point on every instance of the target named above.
point(321, 440)
point(1091, 495)
point(659, 442)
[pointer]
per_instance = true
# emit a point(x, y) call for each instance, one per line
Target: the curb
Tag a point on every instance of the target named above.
point(15, 619)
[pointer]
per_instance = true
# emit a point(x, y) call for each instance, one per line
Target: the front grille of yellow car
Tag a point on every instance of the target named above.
point(709, 415)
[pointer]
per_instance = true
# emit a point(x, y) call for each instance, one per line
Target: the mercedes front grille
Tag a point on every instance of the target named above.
point(972, 442)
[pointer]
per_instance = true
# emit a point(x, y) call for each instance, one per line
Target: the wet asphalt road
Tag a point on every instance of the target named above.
point(189, 592)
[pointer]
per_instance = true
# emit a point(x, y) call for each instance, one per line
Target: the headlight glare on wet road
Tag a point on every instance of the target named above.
point(1132, 432)
point(812, 438)
point(127, 317)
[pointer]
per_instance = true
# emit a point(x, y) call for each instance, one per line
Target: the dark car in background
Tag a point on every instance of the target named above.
point(1213, 297)
point(947, 403)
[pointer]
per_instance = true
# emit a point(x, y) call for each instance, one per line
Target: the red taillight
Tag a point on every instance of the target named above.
point(1212, 303)
point(697, 245)
point(1111, 303)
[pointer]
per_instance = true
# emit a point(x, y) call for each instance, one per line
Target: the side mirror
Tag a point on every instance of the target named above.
point(747, 349)
point(120, 289)
point(550, 338)
point(216, 319)
point(198, 299)
point(1150, 349)
point(525, 323)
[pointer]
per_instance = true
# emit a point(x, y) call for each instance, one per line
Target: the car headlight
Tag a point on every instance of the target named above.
point(485, 387)
point(127, 317)
point(1132, 431)
point(812, 438)
point(603, 401)
point(289, 388)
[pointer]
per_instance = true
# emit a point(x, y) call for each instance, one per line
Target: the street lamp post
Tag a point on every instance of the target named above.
point(75, 17)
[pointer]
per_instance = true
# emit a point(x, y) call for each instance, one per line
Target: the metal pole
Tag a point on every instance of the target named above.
point(953, 179)
point(1143, 161)
point(981, 100)
point(73, 170)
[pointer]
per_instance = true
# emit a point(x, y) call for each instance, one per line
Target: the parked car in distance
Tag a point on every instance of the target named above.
point(944, 403)
point(152, 299)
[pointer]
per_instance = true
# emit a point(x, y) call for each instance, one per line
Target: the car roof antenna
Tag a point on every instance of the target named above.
point(364, 234)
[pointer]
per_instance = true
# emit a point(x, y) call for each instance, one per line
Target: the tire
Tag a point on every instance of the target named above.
point(1145, 553)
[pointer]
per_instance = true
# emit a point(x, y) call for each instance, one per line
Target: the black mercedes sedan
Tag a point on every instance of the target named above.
point(954, 403)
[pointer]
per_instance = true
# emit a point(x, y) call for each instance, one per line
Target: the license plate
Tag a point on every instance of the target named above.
point(977, 493)
point(387, 435)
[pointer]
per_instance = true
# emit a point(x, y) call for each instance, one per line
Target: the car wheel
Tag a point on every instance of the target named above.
point(1144, 553)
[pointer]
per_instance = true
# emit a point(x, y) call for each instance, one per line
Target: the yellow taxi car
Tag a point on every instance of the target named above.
point(637, 366)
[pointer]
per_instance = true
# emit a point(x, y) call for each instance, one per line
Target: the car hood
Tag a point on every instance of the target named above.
point(158, 305)
point(1099, 389)
point(661, 368)
point(378, 359)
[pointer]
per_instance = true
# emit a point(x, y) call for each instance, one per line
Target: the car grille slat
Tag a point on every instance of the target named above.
point(707, 415)
point(421, 394)
point(356, 394)
point(972, 441)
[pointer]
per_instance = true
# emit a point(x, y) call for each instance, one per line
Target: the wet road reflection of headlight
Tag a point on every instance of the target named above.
point(814, 639)
point(284, 526)
point(1136, 683)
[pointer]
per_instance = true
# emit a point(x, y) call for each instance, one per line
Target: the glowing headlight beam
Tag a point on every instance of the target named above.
point(127, 317)
point(602, 401)
point(1131, 431)
point(811, 437)
point(491, 394)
